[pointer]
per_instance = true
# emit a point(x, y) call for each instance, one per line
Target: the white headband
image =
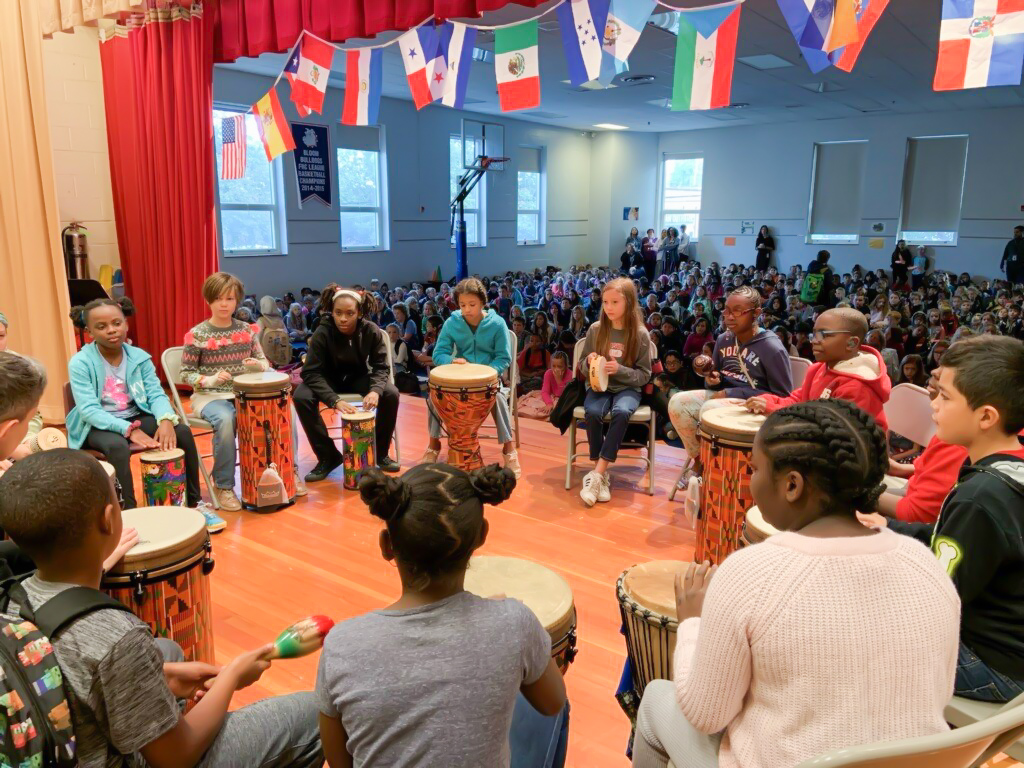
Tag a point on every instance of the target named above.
point(346, 292)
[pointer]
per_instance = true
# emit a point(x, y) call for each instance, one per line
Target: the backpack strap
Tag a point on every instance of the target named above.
point(71, 604)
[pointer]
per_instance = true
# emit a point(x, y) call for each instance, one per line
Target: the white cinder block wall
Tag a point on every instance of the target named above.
point(78, 129)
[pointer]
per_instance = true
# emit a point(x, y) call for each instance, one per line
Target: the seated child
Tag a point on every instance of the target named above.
point(977, 536)
point(845, 369)
point(756, 656)
point(122, 685)
point(423, 357)
point(437, 673)
point(22, 449)
point(399, 349)
point(539, 404)
point(533, 363)
point(119, 402)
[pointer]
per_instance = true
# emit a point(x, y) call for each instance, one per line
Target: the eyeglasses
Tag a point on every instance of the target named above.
point(729, 313)
point(820, 335)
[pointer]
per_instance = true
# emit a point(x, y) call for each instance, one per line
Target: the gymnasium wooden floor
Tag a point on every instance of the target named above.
point(321, 556)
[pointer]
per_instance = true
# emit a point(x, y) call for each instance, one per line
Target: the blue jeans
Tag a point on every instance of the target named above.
point(535, 740)
point(597, 405)
point(221, 415)
point(977, 680)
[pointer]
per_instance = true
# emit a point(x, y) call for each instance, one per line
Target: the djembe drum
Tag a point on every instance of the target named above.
point(358, 437)
point(163, 477)
point(726, 435)
point(462, 395)
point(46, 439)
point(264, 418)
point(755, 528)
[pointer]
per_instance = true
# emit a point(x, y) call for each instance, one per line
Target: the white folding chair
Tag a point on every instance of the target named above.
point(642, 415)
point(510, 379)
point(170, 361)
point(356, 398)
point(799, 367)
point(961, 712)
point(909, 413)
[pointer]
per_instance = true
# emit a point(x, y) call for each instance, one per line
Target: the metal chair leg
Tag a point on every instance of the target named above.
point(570, 454)
point(651, 443)
point(679, 478)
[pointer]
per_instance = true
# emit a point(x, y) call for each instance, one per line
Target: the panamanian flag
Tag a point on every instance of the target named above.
point(425, 65)
point(981, 43)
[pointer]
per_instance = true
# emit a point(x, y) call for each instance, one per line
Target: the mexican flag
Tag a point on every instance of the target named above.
point(705, 56)
point(516, 66)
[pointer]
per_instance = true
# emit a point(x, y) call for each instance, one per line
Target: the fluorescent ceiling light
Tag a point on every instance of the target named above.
point(612, 126)
point(764, 61)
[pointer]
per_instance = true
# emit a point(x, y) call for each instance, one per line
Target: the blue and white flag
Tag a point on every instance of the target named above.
point(797, 15)
point(582, 23)
point(626, 20)
point(461, 40)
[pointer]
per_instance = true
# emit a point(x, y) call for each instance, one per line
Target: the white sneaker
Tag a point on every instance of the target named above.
point(592, 485)
point(605, 492)
point(300, 485)
point(512, 463)
point(430, 456)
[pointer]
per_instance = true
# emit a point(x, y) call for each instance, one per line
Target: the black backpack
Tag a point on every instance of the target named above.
point(37, 729)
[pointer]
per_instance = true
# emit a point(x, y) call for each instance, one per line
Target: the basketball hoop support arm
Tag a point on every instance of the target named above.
point(458, 223)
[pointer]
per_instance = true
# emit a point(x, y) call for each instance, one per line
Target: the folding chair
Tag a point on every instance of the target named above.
point(909, 413)
point(799, 367)
point(961, 712)
point(642, 415)
point(170, 361)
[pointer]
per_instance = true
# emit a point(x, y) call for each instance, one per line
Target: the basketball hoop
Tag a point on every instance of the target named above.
point(485, 162)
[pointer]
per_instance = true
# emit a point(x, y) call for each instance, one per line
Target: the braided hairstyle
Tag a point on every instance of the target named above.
point(80, 315)
point(833, 443)
point(434, 513)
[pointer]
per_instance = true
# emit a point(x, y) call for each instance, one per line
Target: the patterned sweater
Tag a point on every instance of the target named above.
point(210, 350)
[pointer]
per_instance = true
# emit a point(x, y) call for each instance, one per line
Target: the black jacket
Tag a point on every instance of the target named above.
point(334, 359)
point(979, 538)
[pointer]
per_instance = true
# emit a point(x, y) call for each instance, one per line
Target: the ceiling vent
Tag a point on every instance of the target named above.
point(636, 79)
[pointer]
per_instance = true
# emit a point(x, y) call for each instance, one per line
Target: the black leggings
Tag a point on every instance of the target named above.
point(308, 407)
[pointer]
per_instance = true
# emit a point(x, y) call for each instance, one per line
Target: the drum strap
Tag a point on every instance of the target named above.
point(743, 367)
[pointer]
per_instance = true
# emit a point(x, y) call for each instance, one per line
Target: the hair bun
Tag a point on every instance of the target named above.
point(387, 497)
point(493, 484)
point(127, 306)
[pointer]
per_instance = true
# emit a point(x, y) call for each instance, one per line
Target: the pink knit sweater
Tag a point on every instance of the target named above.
point(807, 645)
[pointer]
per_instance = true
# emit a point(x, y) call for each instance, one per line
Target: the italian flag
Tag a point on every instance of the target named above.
point(704, 62)
point(516, 66)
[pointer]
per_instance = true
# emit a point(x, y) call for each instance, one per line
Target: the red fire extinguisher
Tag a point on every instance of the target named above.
point(76, 251)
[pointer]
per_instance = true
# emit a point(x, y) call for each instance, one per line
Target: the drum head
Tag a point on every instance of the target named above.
point(109, 469)
point(731, 420)
point(598, 374)
point(463, 375)
point(166, 536)
point(158, 457)
point(49, 438)
point(756, 521)
point(358, 416)
point(264, 381)
point(652, 585)
point(545, 592)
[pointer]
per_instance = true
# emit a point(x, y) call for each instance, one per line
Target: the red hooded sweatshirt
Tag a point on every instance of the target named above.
point(861, 380)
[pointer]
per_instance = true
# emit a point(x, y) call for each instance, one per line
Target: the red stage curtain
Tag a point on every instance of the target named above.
point(158, 94)
point(252, 27)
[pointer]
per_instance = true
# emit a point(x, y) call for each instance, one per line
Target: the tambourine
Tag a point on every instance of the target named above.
point(46, 439)
point(598, 374)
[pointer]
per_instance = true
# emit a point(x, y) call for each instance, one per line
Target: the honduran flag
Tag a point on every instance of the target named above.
point(461, 40)
point(419, 49)
point(313, 69)
point(705, 57)
point(363, 75)
point(981, 43)
point(831, 24)
point(274, 130)
point(626, 20)
point(290, 70)
point(516, 66)
point(582, 23)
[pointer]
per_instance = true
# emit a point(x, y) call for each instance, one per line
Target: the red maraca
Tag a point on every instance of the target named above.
point(302, 638)
point(703, 365)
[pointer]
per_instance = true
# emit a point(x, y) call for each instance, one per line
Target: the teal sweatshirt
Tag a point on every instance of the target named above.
point(487, 345)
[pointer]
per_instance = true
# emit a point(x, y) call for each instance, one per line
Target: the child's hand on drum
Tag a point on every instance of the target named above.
point(370, 401)
point(129, 538)
point(611, 366)
point(253, 364)
point(872, 519)
point(755, 404)
point(691, 587)
point(140, 438)
point(459, 361)
point(165, 436)
point(342, 407)
point(223, 377)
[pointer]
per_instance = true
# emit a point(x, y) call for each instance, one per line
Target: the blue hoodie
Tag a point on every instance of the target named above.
point(87, 375)
point(487, 345)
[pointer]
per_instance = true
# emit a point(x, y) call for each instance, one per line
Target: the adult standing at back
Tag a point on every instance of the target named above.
point(765, 245)
point(900, 262)
point(1013, 257)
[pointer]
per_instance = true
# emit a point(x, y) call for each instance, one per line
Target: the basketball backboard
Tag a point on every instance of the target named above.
point(482, 138)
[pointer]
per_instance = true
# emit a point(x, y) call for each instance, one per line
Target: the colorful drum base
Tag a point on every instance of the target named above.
point(725, 498)
point(358, 453)
point(163, 483)
point(262, 421)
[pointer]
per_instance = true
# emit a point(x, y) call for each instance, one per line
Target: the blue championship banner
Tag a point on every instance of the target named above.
point(313, 162)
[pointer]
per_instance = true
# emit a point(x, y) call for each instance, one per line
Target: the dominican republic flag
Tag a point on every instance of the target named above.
point(420, 49)
point(309, 80)
point(626, 20)
point(363, 77)
point(981, 43)
point(232, 145)
point(868, 14)
point(705, 57)
point(583, 24)
point(461, 40)
point(291, 69)
point(516, 66)
point(831, 24)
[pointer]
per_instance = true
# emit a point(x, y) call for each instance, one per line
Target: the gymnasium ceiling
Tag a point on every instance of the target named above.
point(893, 75)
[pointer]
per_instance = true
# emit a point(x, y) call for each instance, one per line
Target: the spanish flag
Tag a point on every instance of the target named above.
point(274, 129)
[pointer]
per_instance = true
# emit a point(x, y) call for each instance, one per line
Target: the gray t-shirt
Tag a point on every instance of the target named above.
point(434, 685)
point(113, 673)
point(115, 397)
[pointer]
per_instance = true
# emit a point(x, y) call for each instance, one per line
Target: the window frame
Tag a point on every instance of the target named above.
point(913, 236)
point(381, 209)
point(663, 211)
point(480, 212)
point(277, 207)
point(831, 238)
point(540, 212)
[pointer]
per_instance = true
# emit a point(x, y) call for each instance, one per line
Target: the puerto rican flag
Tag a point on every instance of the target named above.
point(426, 68)
point(981, 43)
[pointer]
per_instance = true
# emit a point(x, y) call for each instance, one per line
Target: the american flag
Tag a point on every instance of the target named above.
point(232, 134)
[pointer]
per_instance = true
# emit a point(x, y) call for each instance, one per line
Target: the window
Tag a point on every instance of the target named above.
point(530, 197)
point(361, 189)
point(682, 178)
point(933, 188)
point(837, 186)
point(251, 208)
point(475, 205)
